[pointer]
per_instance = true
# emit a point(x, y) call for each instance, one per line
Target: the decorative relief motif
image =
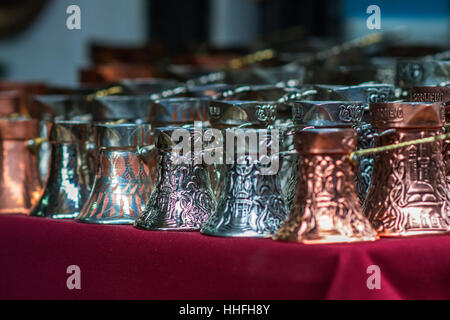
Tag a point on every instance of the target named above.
point(350, 113)
point(388, 114)
point(411, 195)
point(446, 155)
point(379, 94)
point(326, 207)
point(251, 204)
point(266, 112)
point(182, 198)
point(365, 164)
point(214, 111)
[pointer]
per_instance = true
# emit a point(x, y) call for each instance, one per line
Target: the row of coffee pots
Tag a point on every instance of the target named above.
point(126, 172)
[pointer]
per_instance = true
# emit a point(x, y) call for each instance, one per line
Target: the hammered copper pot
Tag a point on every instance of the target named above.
point(408, 194)
point(20, 186)
point(326, 206)
point(437, 94)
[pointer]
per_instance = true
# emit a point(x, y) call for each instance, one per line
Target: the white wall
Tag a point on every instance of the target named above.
point(233, 22)
point(50, 52)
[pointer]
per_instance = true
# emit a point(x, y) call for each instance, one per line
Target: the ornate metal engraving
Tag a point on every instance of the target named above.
point(251, 204)
point(182, 198)
point(350, 113)
point(266, 112)
point(409, 194)
point(19, 175)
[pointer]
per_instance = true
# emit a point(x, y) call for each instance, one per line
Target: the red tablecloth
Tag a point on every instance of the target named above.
point(121, 262)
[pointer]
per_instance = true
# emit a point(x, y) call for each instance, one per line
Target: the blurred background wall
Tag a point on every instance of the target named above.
point(46, 50)
point(427, 22)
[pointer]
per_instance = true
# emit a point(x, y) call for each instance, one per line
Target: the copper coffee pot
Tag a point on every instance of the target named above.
point(19, 174)
point(70, 175)
point(437, 94)
point(122, 182)
point(182, 198)
point(408, 194)
point(326, 207)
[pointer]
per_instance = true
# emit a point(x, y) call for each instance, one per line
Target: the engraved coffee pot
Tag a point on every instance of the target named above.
point(182, 198)
point(366, 93)
point(70, 176)
point(330, 114)
point(408, 194)
point(250, 114)
point(250, 203)
point(326, 207)
point(19, 175)
point(437, 94)
point(122, 182)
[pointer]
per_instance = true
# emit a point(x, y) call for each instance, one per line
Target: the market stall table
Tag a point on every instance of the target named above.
point(122, 262)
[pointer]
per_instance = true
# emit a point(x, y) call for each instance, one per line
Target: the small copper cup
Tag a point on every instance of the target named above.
point(326, 207)
point(408, 194)
point(19, 173)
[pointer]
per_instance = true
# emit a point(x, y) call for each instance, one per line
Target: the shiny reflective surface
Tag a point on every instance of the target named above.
point(338, 114)
point(437, 94)
point(326, 207)
point(250, 204)
point(132, 108)
point(122, 183)
point(182, 198)
point(178, 111)
point(365, 93)
point(408, 194)
point(70, 174)
point(20, 186)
